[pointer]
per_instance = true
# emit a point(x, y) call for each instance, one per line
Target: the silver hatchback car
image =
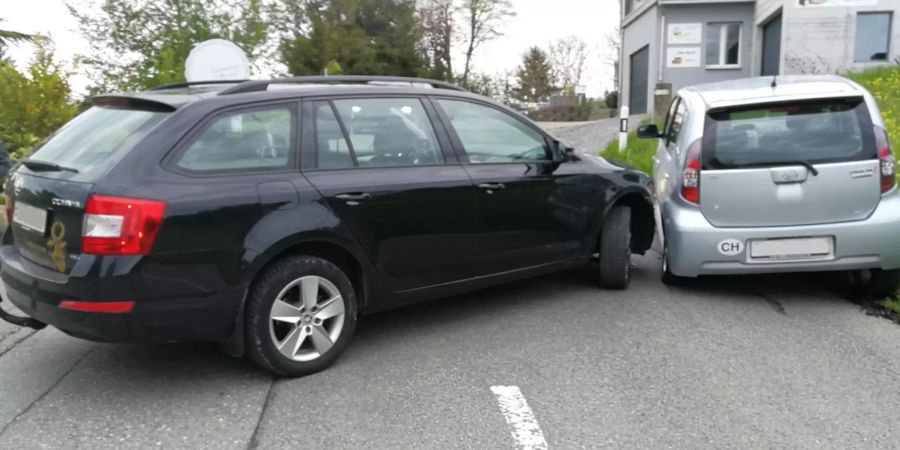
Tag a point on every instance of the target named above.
point(783, 174)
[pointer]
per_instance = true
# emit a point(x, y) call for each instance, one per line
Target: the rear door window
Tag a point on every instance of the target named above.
point(388, 132)
point(815, 132)
point(257, 139)
point(332, 150)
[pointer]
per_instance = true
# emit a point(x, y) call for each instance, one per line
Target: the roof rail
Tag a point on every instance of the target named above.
point(262, 85)
point(195, 83)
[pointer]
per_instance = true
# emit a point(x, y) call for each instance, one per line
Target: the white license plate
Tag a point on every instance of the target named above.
point(792, 248)
point(30, 217)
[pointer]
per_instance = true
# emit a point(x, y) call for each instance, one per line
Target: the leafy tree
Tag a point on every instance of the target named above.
point(333, 68)
point(482, 20)
point(8, 37)
point(437, 29)
point(366, 37)
point(33, 103)
point(534, 76)
point(139, 44)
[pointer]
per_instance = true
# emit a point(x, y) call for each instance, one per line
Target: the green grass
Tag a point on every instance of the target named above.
point(638, 154)
point(892, 305)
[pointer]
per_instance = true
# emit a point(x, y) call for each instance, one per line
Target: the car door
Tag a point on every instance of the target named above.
point(393, 180)
point(666, 161)
point(531, 210)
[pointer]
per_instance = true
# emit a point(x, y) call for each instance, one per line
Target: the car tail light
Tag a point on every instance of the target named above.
point(98, 307)
point(120, 226)
point(886, 157)
point(690, 183)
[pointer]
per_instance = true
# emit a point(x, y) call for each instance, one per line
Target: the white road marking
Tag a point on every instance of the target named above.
point(525, 429)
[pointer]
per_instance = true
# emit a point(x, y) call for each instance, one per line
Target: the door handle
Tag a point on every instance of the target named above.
point(492, 186)
point(354, 197)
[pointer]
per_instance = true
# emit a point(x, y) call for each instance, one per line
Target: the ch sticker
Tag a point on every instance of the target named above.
point(57, 246)
point(730, 247)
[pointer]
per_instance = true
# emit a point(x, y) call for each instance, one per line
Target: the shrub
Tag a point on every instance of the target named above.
point(33, 103)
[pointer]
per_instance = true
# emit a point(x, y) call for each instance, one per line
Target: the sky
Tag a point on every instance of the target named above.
point(537, 23)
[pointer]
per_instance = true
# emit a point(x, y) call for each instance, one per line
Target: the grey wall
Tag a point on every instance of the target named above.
point(822, 40)
point(731, 12)
point(639, 32)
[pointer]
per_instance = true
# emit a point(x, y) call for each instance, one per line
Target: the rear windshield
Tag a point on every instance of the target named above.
point(822, 131)
point(88, 142)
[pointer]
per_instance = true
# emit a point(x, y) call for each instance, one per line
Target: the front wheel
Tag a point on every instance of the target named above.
point(615, 249)
point(301, 314)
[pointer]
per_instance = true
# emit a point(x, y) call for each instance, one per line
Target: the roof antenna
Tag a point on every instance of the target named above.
point(774, 81)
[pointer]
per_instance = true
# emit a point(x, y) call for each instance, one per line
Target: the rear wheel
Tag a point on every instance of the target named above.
point(877, 283)
point(301, 314)
point(615, 249)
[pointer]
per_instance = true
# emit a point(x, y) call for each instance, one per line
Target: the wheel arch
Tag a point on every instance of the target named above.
point(341, 254)
point(643, 222)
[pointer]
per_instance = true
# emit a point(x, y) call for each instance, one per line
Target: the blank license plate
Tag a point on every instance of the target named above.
point(30, 217)
point(788, 248)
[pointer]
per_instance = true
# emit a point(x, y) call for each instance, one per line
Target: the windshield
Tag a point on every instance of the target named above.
point(91, 139)
point(814, 132)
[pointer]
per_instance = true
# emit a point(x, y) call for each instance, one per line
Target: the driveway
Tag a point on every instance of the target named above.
point(755, 362)
point(590, 137)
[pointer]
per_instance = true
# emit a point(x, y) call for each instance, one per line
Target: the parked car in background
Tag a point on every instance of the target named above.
point(269, 215)
point(778, 174)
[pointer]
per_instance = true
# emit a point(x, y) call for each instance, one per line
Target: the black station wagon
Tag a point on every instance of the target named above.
point(269, 215)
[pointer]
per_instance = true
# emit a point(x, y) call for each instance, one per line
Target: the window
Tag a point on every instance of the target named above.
point(629, 6)
point(491, 136)
point(389, 132)
point(723, 44)
point(245, 140)
point(820, 131)
point(873, 37)
point(94, 138)
point(332, 151)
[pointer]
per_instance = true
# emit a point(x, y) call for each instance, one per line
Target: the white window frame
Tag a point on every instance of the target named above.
point(723, 44)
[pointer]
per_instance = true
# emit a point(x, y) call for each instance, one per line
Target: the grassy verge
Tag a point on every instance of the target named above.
point(638, 154)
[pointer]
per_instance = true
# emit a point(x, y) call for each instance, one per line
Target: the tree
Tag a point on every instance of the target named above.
point(366, 37)
point(34, 102)
point(8, 37)
point(613, 53)
point(568, 55)
point(534, 77)
point(436, 24)
point(482, 20)
point(139, 44)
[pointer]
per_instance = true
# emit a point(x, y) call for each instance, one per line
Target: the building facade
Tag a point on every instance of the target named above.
point(669, 44)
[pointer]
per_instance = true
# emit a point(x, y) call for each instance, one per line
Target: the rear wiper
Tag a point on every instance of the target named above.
point(812, 169)
point(38, 165)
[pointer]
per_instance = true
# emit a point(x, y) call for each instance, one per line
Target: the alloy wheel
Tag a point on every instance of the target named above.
point(306, 318)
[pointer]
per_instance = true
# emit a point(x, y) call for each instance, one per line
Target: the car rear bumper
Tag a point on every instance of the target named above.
point(157, 315)
point(867, 244)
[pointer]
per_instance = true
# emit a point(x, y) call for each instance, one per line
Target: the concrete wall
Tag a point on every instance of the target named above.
point(704, 14)
point(640, 31)
point(822, 40)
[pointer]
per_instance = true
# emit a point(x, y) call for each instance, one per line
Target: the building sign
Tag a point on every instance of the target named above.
point(685, 33)
point(680, 57)
point(827, 3)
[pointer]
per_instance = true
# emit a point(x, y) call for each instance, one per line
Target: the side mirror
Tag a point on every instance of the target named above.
point(563, 152)
point(648, 131)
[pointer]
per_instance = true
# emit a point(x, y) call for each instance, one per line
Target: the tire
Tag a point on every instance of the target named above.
point(615, 249)
point(314, 336)
point(877, 283)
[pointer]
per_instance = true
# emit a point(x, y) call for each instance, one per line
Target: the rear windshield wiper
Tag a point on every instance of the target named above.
point(812, 169)
point(38, 165)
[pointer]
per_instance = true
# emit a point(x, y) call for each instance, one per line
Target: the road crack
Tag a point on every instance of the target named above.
point(254, 438)
point(774, 303)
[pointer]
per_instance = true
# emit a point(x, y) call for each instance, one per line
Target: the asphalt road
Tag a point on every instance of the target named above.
point(590, 137)
point(759, 362)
